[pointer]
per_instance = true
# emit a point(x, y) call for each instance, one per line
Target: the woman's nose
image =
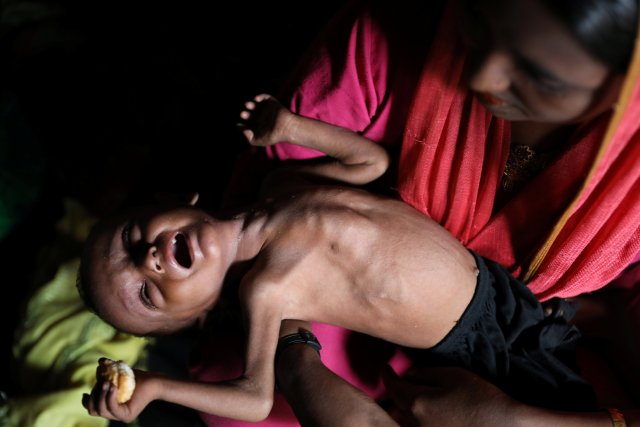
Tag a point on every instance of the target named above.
point(493, 73)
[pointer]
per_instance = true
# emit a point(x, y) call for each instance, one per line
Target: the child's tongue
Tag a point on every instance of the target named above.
point(181, 251)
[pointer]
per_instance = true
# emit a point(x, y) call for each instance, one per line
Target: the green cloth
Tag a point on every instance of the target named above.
point(57, 347)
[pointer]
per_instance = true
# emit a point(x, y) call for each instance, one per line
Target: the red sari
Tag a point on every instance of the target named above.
point(562, 233)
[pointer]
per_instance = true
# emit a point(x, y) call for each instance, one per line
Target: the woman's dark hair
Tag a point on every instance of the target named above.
point(606, 28)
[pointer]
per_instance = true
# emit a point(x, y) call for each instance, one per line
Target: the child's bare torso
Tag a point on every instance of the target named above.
point(363, 262)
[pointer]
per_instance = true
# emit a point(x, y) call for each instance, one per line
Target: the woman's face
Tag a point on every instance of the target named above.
point(524, 65)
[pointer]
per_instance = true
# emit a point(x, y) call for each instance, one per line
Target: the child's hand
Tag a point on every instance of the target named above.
point(264, 121)
point(102, 400)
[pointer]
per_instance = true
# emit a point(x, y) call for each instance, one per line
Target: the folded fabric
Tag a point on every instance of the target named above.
point(58, 344)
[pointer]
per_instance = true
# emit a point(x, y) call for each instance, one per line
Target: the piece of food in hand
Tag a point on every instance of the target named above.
point(120, 375)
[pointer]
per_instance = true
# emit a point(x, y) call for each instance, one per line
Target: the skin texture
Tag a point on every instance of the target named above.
point(153, 269)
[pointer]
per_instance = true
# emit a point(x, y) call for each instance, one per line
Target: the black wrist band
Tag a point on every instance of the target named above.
point(302, 337)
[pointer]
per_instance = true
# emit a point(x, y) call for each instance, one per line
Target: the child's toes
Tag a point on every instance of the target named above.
point(244, 115)
point(250, 105)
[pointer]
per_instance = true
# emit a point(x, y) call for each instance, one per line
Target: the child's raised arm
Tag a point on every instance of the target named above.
point(357, 160)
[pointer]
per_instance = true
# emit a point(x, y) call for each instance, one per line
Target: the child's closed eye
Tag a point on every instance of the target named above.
point(144, 296)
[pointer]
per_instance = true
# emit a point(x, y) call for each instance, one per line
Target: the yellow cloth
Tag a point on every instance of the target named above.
point(57, 346)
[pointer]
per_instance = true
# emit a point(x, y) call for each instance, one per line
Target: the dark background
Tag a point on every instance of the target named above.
point(108, 101)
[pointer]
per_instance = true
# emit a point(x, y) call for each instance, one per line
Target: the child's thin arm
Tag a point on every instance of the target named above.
point(247, 398)
point(358, 159)
point(240, 398)
point(250, 397)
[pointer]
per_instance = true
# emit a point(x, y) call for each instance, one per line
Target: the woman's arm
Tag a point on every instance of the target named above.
point(454, 396)
point(321, 398)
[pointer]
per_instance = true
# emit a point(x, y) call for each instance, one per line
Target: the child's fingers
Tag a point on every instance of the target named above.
point(91, 401)
point(103, 410)
point(85, 401)
point(98, 402)
point(245, 115)
point(250, 105)
point(111, 404)
point(118, 411)
point(248, 133)
point(262, 97)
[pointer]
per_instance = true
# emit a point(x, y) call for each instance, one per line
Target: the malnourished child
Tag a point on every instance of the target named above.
point(323, 253)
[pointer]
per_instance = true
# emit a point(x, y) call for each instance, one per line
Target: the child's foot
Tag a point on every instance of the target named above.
point(265, 121)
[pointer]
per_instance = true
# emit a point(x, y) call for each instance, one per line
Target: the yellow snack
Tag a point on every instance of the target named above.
point(120, 375)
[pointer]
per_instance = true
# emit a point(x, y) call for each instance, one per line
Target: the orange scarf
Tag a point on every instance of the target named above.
point(562, 233)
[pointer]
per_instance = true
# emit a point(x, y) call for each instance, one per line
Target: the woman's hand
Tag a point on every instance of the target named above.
point(447, 397)
point(457, 397)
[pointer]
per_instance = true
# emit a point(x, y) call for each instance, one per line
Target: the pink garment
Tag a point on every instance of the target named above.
point(367, 87)
point(353, 90)
point(357, 358)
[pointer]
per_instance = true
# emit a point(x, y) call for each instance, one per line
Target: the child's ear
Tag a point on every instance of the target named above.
point(193, 198)
point(202, 319)
point(190, 198)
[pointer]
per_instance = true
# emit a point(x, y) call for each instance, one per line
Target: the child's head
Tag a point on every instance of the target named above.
point(153, 270)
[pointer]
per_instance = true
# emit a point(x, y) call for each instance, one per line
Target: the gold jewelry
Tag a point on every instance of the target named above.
point(617, 417)
point(523, 164)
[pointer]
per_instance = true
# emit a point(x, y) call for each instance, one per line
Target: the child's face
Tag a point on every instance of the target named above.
point(157, 269)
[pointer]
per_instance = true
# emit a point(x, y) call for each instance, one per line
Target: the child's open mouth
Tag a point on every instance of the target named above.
point(181, 250)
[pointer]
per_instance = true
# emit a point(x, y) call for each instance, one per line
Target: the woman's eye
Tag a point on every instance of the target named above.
point(144, 296)
point(540, 80)
point(549, 86)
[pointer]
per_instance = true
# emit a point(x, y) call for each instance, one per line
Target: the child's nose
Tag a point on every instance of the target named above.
point(493, 74)
point(152, 260)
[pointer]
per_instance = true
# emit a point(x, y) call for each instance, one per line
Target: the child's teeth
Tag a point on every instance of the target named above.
point(174, 241)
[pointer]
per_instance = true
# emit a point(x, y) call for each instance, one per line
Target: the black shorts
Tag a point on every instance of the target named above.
point(505, 336)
